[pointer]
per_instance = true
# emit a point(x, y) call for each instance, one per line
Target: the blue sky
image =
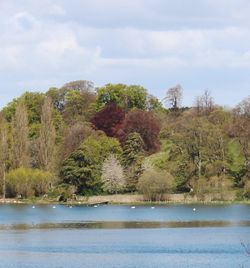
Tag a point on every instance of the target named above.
point(201, 45)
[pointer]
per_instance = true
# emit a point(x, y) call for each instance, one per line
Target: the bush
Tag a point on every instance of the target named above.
point(65, 191)
point(28, 182)
point(246, 192)
point(154, 184)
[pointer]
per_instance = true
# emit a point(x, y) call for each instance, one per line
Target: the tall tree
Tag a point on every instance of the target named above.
point(204, 104)
point(174, 97)
point(47, 136)
point(132, 156)
point(3, 152)
point(73, 137)
point(20, 137)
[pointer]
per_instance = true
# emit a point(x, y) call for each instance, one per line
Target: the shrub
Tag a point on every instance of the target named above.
point(153, 184)
point(28, 182)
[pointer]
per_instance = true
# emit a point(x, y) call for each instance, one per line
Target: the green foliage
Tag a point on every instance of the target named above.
point(205, 148)
point(28, 182)
point(160, 159)
point(246, 192)
point(132, 149)
point(79, 105)
point(127, 97)
point(83, 167)
point(214, 188)
point(153, 184)
point(132, 159)
point(65, 191)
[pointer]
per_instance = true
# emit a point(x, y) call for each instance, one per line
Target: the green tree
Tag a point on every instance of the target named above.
point(79, 106)
point(132, 159)
point(20, 137)
point(3, 153)
point(126, 97)
point(198, 149)
point(83, 167)
point(28, 182)
point(153, 184)
point(47, 137)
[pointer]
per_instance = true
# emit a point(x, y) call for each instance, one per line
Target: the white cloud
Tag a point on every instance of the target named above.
point(140, 41)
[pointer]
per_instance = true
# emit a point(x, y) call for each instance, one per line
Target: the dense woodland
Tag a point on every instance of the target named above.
point(118, 138)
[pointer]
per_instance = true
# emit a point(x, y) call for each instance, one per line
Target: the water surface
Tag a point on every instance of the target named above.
point(119, 236)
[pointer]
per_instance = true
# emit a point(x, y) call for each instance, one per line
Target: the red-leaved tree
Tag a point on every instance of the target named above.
point(109, 119)
point(144, 123)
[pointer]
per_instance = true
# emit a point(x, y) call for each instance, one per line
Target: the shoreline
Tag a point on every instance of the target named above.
point(126, 199)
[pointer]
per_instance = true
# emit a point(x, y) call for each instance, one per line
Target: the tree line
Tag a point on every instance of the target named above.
point(118, 138)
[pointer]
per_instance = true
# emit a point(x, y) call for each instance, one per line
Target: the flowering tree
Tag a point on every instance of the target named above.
point(112, 175)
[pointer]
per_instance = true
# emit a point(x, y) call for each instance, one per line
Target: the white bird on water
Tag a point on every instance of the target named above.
point(54, 206)
point(133, 207)
point(152, 207)
point(33, 207)
point(194, 209)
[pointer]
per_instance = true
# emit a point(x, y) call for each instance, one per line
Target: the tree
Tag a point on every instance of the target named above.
point(240, 130)
point(133, 148)
point(28, 182)
point(109, 119)
point(243, 108)
point(174, 97)
point(144, 123)
point(79, 85)
point(73, 137)
point(113, 178)
point(204, 104)
point(79, 106)
point(20, 134)
point(83, 167)
point(47, 136)
point(132, 158)
point(57, 96)
point(126, 97)
point(33, 104)
point(3, 152)
point(153, 103)
point(153, 184)
point(198, 147)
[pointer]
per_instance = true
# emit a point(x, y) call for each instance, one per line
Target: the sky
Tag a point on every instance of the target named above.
point(200, 45)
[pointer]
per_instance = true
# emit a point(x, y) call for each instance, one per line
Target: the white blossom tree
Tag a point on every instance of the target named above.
point(113, 177)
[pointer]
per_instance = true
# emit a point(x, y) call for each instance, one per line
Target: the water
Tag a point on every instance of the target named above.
point(118, 236)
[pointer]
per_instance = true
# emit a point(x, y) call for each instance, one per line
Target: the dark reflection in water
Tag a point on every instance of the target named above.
point(127, 225)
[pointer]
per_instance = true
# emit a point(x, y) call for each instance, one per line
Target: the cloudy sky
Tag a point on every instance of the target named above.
point(201, 45)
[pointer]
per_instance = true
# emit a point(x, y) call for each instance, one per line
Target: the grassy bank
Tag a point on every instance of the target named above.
point(135, 199)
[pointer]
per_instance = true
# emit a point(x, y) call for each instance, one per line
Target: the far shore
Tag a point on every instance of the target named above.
point(125, 199)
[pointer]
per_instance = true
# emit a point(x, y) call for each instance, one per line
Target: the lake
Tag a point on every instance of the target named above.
point(124, 237)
